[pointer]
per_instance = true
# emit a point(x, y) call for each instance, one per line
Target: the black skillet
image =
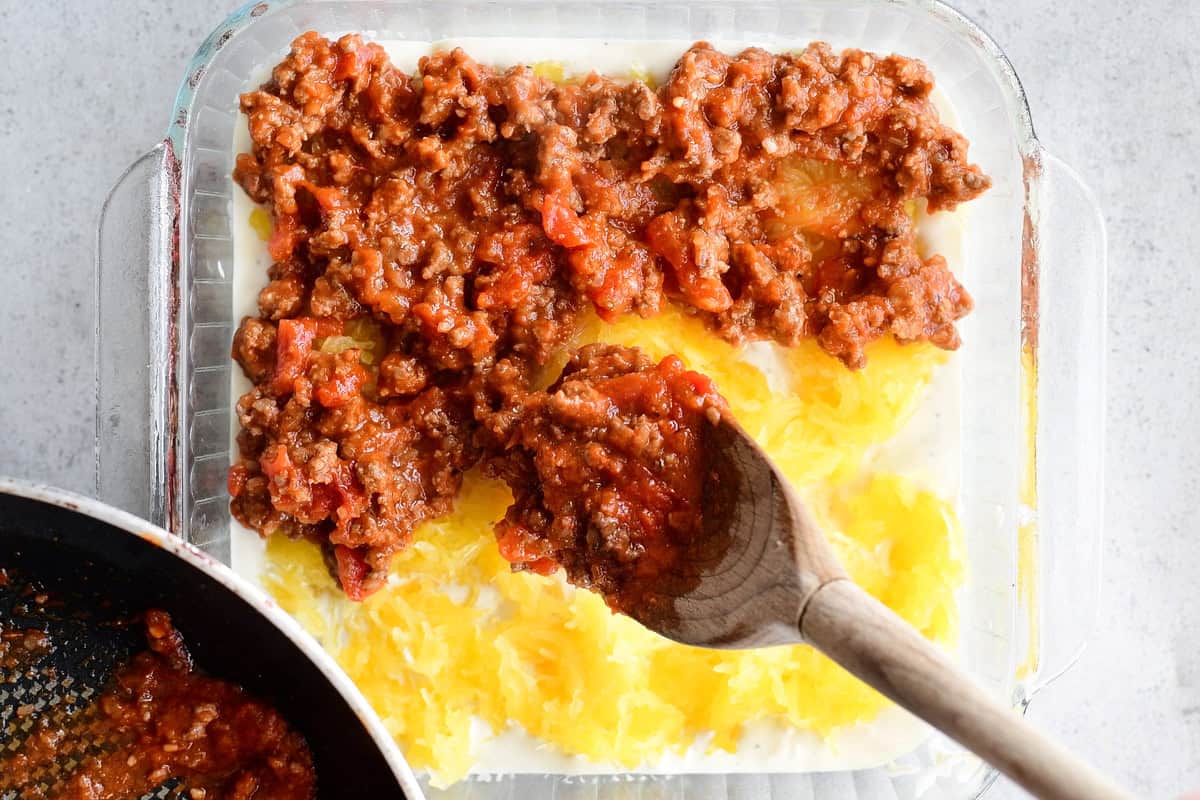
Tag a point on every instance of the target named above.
point(102, 563)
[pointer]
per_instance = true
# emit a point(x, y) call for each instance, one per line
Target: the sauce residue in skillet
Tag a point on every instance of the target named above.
point(159, 723)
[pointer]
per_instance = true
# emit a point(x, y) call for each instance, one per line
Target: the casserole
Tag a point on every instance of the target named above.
point(1031, 373)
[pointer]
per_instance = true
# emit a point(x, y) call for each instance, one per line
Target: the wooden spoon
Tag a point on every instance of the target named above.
point(772, 579)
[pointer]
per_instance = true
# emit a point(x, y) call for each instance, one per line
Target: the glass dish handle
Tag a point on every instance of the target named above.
point(136, 295)
point(1069, 245)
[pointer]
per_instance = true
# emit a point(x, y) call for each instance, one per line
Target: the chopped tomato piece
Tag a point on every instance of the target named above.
point(294, 343)
point(667, 234)
point(327, 326)
point(522, 549)
point(561, 223)
point(287, 485)
point(237, 479)
point(352, 572)
point(284, 235)
point(616, 282)
point(346, 382)
point(352, 61)
point(277, 463)
point(701, 385)
point(329, 198)
point(349, 499)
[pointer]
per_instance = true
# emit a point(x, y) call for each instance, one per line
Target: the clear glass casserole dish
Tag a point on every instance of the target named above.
point(1031, 460)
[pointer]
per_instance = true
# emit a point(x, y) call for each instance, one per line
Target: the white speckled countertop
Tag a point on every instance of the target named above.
point(1115, 91)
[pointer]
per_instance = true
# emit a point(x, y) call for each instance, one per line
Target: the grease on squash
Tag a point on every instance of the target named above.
point(455, 635)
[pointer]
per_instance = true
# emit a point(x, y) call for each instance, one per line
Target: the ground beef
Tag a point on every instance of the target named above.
point(323, 455)
point(606, 469)
point(462, 218)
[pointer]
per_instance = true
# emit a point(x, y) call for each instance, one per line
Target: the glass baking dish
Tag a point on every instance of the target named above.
point(1032, 370)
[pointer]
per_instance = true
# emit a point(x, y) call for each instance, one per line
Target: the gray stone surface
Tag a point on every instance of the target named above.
point(1115, 89)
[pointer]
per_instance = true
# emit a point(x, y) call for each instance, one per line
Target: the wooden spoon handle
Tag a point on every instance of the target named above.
point(870, 641)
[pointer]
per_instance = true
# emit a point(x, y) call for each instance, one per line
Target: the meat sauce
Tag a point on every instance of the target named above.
point(160, 723)
point(607, 468)
point(437, 236)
